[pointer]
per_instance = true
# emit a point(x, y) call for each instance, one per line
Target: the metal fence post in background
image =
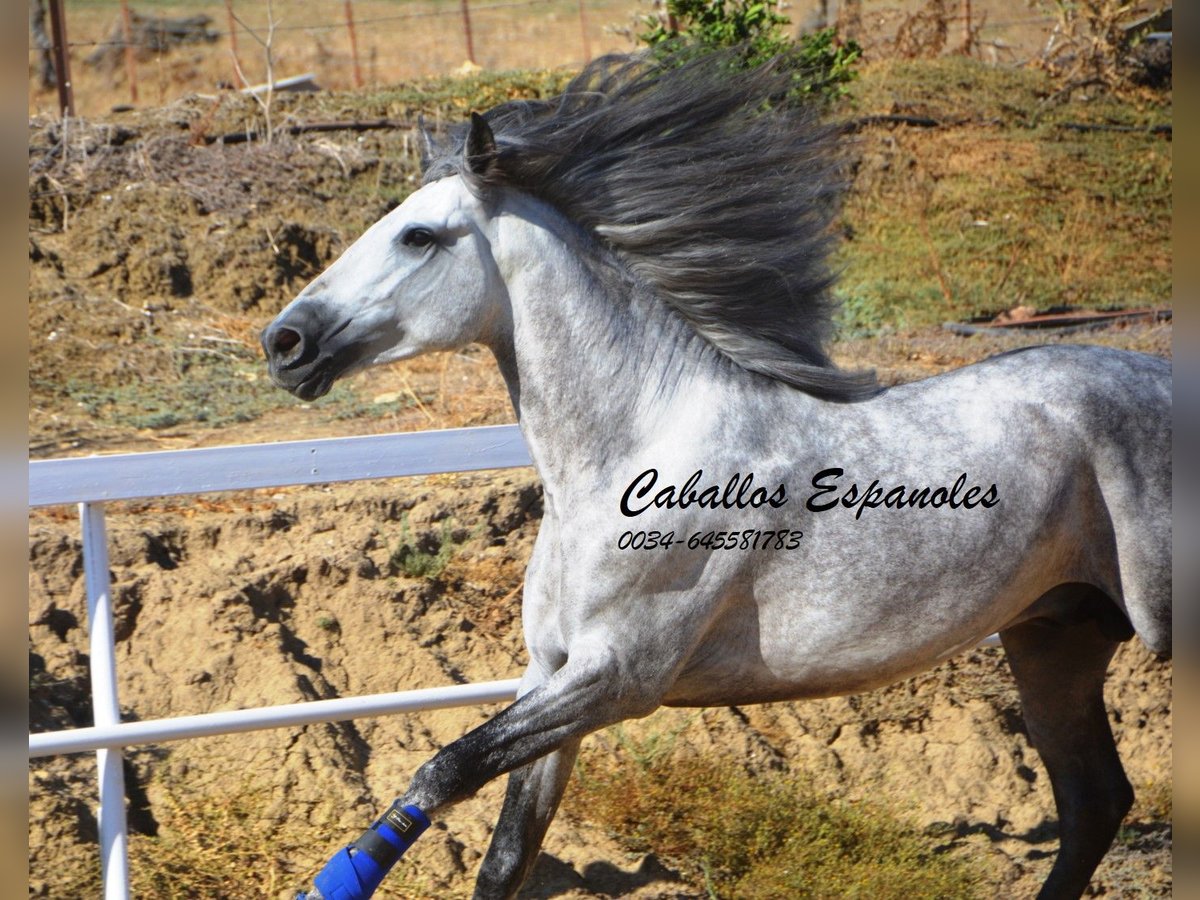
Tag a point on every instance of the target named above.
point(106, 710)
point(62, 66)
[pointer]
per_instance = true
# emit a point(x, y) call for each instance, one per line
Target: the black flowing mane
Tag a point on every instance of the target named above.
point(710, 188)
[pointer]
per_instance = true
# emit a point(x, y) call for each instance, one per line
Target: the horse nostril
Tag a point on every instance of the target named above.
point(284, 341)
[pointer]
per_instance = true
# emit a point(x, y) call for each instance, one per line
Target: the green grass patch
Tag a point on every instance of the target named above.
point(213, 390)
point(961, 88)
point(1002, 206)
point(765, 835)
point(425, 555)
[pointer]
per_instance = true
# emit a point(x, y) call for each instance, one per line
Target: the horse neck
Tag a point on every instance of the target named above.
point(591, 354)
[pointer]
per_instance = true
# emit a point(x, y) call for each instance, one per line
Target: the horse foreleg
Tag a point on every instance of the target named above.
point(534, 792)
point(576, 700)
point(1059, 669)
point(536, 739)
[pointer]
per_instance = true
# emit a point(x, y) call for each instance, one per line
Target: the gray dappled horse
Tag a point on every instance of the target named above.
point(729, 518)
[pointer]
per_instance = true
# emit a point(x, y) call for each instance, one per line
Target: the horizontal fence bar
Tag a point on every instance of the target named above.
point(235, 721)
point(134, 476)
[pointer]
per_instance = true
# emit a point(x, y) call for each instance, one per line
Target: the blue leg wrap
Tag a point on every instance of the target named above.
point(357, 870)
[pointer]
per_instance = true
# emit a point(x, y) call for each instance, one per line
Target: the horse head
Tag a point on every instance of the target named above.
point(422, 278)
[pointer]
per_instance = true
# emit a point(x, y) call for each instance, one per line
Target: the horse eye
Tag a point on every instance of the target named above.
point(417, 237)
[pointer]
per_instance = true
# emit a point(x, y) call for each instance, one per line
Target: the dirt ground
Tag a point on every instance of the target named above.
point(151, 269)
point(248, 600)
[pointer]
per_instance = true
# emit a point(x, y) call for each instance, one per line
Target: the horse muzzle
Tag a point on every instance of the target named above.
point(303, 356)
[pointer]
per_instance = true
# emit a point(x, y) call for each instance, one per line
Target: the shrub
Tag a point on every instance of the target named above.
point(823, 64)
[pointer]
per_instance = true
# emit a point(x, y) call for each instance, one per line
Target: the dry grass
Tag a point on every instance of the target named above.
point(762, 835)
point(218, 844)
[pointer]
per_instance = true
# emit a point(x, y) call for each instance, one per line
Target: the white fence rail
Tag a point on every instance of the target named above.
point(132, 476)
point(90, 481)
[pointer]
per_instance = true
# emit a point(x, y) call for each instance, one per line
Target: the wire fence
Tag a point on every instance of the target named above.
point(115, 53)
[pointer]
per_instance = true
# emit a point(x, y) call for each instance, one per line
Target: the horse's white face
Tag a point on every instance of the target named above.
point(422, 278)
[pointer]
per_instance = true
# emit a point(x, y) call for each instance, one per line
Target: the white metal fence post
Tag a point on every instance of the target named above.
point(106, 710)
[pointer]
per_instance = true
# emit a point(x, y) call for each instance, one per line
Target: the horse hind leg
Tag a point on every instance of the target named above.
point(532, 798)
point(1059, 665)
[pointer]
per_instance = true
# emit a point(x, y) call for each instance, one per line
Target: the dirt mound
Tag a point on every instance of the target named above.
point(151, 215)
point(155, 257)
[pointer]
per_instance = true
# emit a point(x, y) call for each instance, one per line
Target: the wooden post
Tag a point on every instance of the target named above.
point(237, 68)
point(966, 17)
point(62, 64)
point(466, 16)
point(358, 79)
point(130, 62)
point(583, 31)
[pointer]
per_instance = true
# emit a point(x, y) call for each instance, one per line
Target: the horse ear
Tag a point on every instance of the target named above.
point(429, 147)
point(480, 152)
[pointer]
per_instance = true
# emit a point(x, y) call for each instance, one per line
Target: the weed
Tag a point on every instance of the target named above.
point(426, 556)
point(351, 406)
point(760, 836)
point(652, 749)
point(450, 98)
point(212, 390)
point(1090, 44)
